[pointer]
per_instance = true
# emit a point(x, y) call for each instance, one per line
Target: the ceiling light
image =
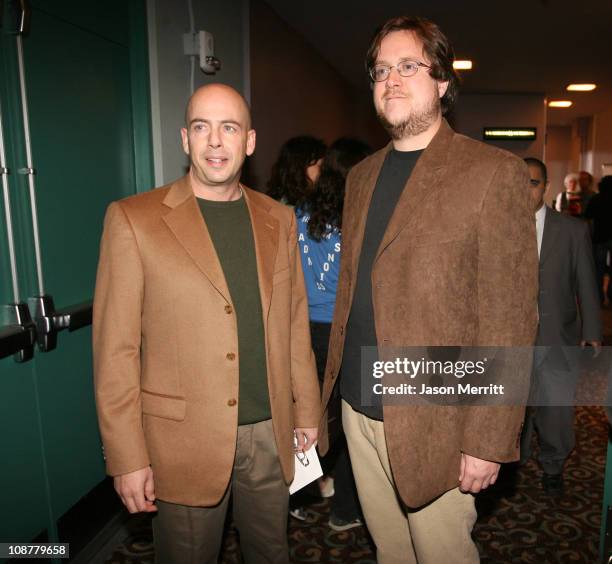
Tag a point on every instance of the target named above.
point(581, 87)
point(462, 65)
point(559, 104)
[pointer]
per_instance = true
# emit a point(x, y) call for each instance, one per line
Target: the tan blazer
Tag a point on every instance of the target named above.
point(457, 265)
point(166, 346)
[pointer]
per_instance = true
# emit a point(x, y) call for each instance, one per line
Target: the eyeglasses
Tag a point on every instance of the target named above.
point(381, 72)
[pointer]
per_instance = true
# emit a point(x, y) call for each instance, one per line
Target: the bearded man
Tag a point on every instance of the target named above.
point(438, 249)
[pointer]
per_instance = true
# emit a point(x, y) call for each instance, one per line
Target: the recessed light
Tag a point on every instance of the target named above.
point(559, 104)
point(462, 65)
point(581, 87)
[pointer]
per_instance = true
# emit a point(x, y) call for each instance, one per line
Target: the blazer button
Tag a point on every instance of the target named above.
point(228, 309)
point(230, 356)
point(341, 330)
point(231, 402)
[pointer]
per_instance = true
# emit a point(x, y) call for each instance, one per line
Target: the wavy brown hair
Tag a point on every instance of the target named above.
point(437, 49)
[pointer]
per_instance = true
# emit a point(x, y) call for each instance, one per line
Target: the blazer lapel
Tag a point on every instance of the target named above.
point(265, 233)
point(551, 227)
point(364, 189)
point(185, 220)
point(422, 182)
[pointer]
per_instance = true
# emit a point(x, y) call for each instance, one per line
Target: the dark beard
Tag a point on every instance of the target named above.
point(415, 124)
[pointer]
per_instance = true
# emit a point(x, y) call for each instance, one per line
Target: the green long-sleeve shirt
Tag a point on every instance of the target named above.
point(229, 225)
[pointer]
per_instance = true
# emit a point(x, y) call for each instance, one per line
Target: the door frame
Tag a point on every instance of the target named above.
point(143, 167)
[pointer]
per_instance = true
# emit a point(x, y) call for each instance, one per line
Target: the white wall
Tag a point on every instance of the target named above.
point(168, 20)
point(473, 112)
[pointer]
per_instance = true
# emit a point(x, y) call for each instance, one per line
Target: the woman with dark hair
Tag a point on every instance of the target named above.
point(319, 225)
point(296, 170)
point(319, 220)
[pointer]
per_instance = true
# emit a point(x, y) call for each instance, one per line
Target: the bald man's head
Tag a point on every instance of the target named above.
point(217, 137)
point(215, 90)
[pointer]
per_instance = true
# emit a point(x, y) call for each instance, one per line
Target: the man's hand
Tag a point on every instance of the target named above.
point(595, 344)
point(306, 438)
point(136, 490)
point(476, 474)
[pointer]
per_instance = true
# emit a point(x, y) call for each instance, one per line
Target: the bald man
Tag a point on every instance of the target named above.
point(203, 364)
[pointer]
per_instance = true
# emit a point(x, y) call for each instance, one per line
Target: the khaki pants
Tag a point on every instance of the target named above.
point(193, 535)
point(437, 533)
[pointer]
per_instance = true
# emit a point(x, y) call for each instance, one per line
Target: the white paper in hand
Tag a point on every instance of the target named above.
point(307, 469)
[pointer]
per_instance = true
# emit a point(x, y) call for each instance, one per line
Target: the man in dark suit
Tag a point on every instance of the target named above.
point(569, 315)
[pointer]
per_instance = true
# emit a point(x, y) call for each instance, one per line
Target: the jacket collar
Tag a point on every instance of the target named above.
point(423, 181)
point(185, 220)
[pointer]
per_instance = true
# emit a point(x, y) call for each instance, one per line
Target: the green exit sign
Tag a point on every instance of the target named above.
point(509, 133)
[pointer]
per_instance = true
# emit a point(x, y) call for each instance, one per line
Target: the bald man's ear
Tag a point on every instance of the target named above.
point(250, 146)
point(185, 140)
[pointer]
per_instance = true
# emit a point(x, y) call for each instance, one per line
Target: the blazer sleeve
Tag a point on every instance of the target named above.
point(117, 315)
point(507, 305)
point(304, 381)
point(586, 286)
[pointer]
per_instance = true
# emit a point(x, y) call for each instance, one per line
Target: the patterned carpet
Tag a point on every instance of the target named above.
point(516, 524)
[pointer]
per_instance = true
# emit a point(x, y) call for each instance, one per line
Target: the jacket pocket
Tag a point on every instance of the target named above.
point(167, 407)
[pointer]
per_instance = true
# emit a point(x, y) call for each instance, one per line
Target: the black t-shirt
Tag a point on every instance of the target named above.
point(360, 330)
